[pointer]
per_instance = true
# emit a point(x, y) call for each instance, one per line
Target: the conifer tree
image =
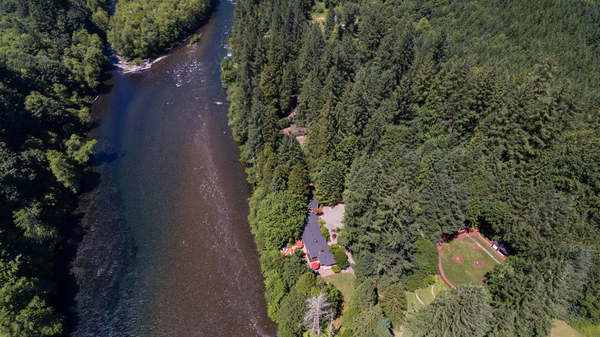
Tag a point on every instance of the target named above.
point(289, 152)
point(363, 296)
point(393, 303)
point(298, 181)
point(329, 22)
point(446, 315)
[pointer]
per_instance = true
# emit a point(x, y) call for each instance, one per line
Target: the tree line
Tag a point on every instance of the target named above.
point(142, 29)
point(51, 54)
point(425, 117)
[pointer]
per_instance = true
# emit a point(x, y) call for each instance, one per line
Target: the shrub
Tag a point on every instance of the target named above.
point(346, 333)
point(349, 318)
point(339, 256)
point(335, 269)
point(325, 232)
point(195, 39)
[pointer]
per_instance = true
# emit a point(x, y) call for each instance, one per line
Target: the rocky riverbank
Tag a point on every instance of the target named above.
point(135, 66)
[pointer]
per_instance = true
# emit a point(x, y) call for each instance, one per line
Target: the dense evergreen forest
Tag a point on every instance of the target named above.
point(142, 29)
point(425, 117)
point(51, 54)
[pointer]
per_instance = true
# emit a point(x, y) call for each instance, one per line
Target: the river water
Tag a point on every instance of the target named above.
point(165, 246)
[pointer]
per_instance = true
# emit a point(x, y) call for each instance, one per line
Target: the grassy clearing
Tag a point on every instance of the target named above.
point(562, 329)
point(591, 331)
point(425, 293)
point(345, 284)
point(319, 11)
point(467, 272)
point(412, 302)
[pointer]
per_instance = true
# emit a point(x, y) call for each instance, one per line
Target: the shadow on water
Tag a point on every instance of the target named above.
point(92, 255)
point(105, 81)
point(71, 236)
point(103, 157)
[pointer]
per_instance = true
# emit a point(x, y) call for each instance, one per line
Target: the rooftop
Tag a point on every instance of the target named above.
point(313, 238)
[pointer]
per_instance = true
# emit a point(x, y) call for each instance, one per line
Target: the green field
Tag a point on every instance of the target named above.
point(562, 329)
point(344, 283)
point(467, 272)
point(412, 302)
point(425, 294)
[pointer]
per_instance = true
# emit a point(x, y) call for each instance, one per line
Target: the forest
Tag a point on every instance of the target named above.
point(425, 117)
point(142, 29)
point(51, 54)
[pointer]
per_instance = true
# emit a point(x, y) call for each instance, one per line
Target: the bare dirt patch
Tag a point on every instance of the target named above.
point(481, 280)
point(476, 246)
point(478, 263)
point(458, 259)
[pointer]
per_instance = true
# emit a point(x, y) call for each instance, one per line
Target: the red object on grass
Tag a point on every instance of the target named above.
point(299, 244)
point(315, 266)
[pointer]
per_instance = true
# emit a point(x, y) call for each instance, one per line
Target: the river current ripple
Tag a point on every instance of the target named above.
point(165, 248)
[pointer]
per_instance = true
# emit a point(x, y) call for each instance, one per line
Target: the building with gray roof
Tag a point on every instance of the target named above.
point(316, 246)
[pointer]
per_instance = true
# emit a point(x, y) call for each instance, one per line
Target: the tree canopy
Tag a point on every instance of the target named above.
point(280, 219)
point(51, 55)
point(426, 117)
point(141, 29)
point(463, 312)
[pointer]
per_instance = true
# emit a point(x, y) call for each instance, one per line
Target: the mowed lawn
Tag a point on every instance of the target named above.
point(562, 329)
point(344, 282)
point(412, 302)
point(425, 294)
point(467, 272)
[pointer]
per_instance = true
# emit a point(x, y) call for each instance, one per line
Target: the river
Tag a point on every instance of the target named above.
point(164, 246)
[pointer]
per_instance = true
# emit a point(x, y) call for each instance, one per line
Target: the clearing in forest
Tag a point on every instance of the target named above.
point(344, 282)
point(562, 329)
point(425, 295)
point(465, 260)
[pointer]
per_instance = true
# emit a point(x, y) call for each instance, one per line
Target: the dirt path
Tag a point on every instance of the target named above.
point(439, 247)
point(417, 296)
point(482, 247)
point(490, 246)
point(432, 291)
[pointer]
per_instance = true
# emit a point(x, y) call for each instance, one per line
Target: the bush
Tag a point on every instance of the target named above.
point(346, 333)
point(325, 232)
point(349, 318)
point(195, 39)
point(341, 259)
point(335, 269)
